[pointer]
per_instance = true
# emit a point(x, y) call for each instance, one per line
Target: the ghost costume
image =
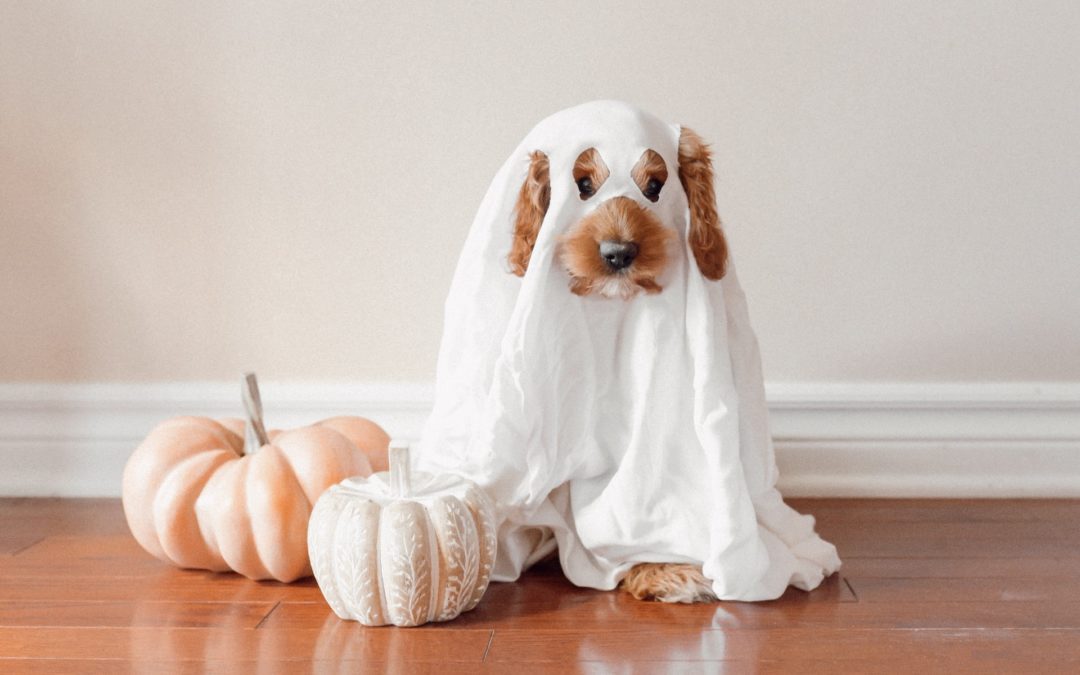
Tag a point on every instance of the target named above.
point(617, 431)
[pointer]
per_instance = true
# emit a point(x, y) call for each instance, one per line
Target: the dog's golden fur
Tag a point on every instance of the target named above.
point(624, 220)
point(696, 175)
point(532, 203)
point(668, 582)
point(651, 166)
point(590, 164)
point(621, 219)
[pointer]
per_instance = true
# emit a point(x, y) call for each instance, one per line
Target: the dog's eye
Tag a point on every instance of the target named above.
point(652, 189)
point(585, 186)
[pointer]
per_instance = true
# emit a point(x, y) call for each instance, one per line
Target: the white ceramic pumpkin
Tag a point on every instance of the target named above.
point(402, 549)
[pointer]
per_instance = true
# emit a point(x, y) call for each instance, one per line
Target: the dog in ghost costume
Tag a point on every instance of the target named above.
point(599, 378)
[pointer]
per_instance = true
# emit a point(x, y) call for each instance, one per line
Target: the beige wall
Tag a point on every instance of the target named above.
point(189, 190)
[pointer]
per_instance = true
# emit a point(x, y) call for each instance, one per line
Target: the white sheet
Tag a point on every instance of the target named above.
point(622, 431)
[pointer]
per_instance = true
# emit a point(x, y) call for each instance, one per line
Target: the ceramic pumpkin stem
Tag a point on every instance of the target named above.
point(400, 477)
point(254, 431)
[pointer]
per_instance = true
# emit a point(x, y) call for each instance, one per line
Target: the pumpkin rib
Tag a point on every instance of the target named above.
point(234, 431)
point(322, 535)
point(306, 451)
point(283, 509)
point(177, 526)
point(408, 559)
point(353, 570)
point(435, 593)
point(480, 509)
point(150, 464)
point(456, 535)
point(383, 610)
point(366, 435)
point(224, 504)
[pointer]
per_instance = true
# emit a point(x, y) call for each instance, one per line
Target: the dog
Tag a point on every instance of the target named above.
point(618, 250)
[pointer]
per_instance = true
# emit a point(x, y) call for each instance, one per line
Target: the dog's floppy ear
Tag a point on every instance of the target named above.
point(532, 204)
point(696, 175)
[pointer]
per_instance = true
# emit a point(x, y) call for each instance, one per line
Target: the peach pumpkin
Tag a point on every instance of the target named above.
point(226, 495)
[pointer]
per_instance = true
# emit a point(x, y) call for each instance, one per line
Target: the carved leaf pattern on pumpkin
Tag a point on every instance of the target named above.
point(482, 513)
point(460, 573)
point(347, 558)
point(320, 545)
point(472, 559)
point(410, 570)
point(361, 593)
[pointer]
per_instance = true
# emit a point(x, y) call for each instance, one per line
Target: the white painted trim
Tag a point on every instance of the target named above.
point(833, 439)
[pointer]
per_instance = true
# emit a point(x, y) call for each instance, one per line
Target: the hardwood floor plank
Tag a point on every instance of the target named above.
point(970, 568)
point(138, 613)
point(334, 641)
point(167, 583)
point(12, 543)
point(990, 589)
point(1037, 539)
point(630, 646)
point(927, 665)
point(83, 555)
point(235, 667)
point(839, 615)
point(26, 521)
point(856, 510)
point(40, 518)
point(610, 612)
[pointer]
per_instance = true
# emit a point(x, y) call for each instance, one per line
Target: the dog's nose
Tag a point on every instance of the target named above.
point(618, 255)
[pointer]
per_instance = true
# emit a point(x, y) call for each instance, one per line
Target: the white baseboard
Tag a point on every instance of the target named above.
point(865, 440)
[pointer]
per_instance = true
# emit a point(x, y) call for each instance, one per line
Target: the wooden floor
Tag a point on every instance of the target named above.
point(927, 586)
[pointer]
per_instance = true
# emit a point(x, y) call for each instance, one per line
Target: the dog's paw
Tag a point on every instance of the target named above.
point(668, 582)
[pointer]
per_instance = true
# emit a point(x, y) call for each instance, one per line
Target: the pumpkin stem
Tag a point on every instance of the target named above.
point(254, 432)
point(400, 476)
